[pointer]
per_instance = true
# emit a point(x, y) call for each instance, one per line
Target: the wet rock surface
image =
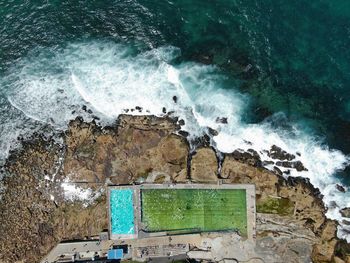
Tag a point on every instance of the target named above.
point(36, 214)
point(277, 153)
point(345, 212)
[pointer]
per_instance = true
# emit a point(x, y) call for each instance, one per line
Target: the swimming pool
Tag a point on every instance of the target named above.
point(194, 210)
point(122, 212)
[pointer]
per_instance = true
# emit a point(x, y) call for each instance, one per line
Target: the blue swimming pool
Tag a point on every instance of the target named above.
point(122, 211)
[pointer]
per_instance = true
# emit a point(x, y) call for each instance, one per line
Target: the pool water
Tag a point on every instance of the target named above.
point(122, 211)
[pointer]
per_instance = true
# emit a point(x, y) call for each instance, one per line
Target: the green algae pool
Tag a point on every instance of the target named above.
point(194, 210)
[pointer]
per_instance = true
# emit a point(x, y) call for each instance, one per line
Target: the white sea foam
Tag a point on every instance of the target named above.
point(110, 78)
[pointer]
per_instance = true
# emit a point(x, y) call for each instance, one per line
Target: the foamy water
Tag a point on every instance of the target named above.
point(110, 78)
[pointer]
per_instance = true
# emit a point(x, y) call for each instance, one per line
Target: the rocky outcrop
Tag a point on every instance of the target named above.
point(36, 214)
point(31, 222)
point(304, 208)
point(204, 166)
point(138, 146)
point(278, 153)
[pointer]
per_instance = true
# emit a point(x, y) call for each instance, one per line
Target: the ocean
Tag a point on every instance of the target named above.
point(277, 71)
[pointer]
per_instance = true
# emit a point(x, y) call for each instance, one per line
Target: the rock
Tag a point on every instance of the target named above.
point(237, 171)
point(204, 166)
point(297, 165)
point(250, 157)
point(138, 108)
point(175, 99)
point(203, 141)
point(345, 212)
point(164, 110)
point(264, 163)
point(332, 205)
point(181, 122)
point(84, 108)
point(338, 260)
point(248, 142)
point(277, 170)
point(277, 153)
point(340, 188)
point(183, 133)
point(222, 120)
point(213, 132)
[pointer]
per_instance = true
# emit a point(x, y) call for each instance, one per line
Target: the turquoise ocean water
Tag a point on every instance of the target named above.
point(277, 70)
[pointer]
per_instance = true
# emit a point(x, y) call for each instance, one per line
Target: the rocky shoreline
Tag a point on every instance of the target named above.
point(52, 191)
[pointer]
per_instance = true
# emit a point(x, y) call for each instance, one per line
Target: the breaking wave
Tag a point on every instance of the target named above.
point(112, 79)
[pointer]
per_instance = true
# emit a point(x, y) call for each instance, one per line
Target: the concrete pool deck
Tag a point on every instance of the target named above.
point(138, 224)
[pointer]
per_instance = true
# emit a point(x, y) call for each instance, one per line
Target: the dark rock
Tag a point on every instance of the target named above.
point(248, 142)
point(181, 122)
point(138, 108)
point(297, 165)
point(95, 117)
point(340, 188)
point(203, 141)
point(332, 204)
point(298, 153)
point(250, 157)
point(277, 170)
point(277, 153)
point(175, 99)
point(346, 222)
point(264, 163)
point(164, 110)
point(84, 108)
point(287, 172)
point(345, 212)
point(183, 133)
point(73, 112)
point(89, 111)
point(212, 132)
point(221, 120)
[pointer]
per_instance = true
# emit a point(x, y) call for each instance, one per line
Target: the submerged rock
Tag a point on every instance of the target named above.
point(222, 120)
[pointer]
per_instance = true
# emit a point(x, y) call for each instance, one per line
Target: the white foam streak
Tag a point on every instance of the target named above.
point(111, 78)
